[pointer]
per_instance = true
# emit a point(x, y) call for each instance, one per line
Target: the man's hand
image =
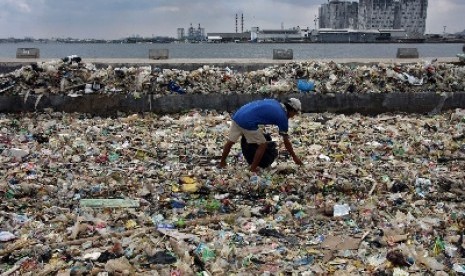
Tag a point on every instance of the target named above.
point(289, 148)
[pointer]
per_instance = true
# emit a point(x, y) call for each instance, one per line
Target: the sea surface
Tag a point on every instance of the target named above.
point(231, 50)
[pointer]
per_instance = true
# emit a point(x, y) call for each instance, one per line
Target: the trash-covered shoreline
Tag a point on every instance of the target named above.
point(70, 86)
point(75, 78)
point(140, 194)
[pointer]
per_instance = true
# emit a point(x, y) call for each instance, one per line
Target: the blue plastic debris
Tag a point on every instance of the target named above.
point(305, 85)
point(175, 88)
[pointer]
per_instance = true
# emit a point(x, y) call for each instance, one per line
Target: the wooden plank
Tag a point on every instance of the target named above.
point(109, 203)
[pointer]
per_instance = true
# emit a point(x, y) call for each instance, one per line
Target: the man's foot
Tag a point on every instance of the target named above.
point(254, 170)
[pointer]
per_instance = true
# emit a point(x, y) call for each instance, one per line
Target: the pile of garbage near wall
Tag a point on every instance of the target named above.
point(142, 195)
point(75, 78)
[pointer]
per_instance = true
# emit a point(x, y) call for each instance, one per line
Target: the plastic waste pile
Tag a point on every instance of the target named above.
point(141, 195)
point(74, 78)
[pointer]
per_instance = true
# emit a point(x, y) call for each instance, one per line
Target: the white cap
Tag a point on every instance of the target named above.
point(295, 104)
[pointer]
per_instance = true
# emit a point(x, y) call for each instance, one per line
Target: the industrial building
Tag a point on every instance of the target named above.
point(404, 15)
point(231, 37)
point(339, 21)
point(258, 35)
point(276, 35)
point(228, 37)
point(409, 15)
point(413, 16)
point(338, 15)
point(378, 14)
point(193, 34)
point(357, 36)
point(345, 36)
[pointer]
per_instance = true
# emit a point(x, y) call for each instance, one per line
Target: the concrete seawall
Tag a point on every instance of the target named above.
point(108, 105)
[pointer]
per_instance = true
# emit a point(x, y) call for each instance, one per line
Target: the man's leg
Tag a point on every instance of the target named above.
point(258, 157)
point(256, 137)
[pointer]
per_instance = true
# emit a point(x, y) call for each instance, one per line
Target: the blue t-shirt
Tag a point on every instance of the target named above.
point(262, 112)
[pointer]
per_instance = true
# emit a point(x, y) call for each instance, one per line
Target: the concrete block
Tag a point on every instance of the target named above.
point(283, 54)
point(158, 54)
point(407, 53)
point(27, 53)
point(345, 103)
point(461, 57)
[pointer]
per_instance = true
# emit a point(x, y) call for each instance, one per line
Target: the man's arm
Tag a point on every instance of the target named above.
point(226, 149)
point(290, 149)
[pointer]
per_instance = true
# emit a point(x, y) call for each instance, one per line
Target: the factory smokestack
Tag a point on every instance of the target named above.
point(242, 23)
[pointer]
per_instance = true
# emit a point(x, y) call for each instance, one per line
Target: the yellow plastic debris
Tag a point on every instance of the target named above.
point(130, 224)
point(187, 180)
point(190, 188)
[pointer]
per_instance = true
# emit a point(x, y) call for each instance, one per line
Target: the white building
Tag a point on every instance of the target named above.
point(277, 35)
point(181, 33)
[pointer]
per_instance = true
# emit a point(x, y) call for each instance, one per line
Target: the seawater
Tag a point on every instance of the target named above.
point(231, 50)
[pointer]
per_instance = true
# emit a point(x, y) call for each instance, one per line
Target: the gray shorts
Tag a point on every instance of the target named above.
point(252, 136)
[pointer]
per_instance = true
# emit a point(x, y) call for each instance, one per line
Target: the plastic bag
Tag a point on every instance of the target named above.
point(305, 86)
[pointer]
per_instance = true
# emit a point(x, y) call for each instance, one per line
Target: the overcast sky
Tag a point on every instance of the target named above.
point(114, 19)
